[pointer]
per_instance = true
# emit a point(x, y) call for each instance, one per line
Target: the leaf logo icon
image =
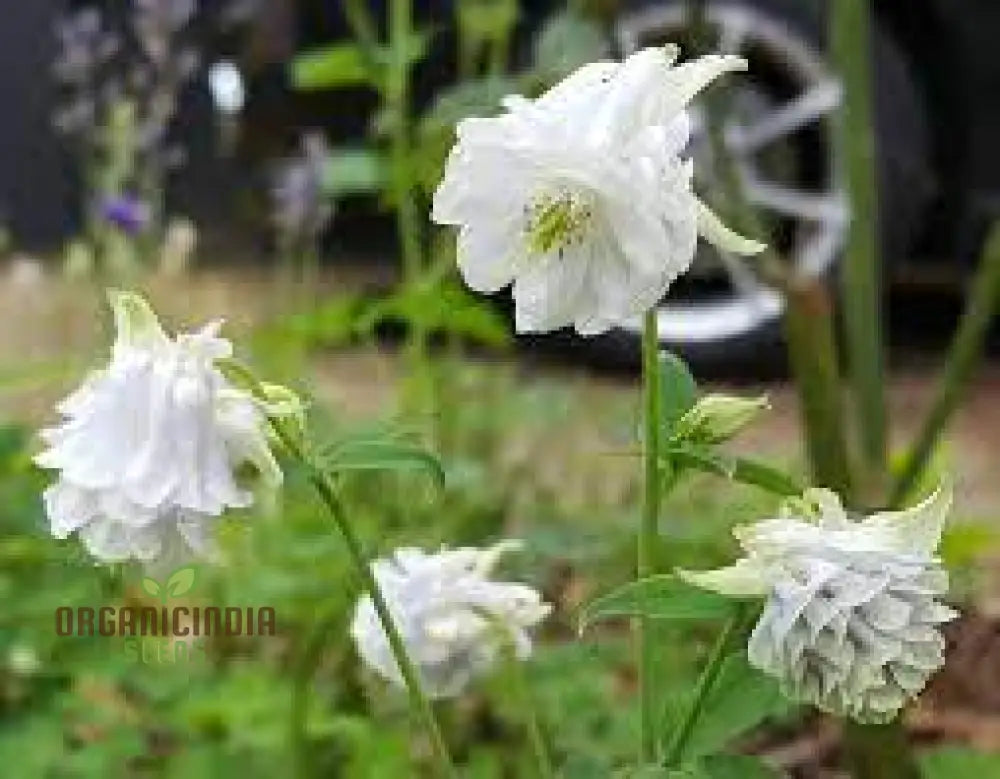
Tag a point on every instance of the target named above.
point(179, 583)
point(152, 587)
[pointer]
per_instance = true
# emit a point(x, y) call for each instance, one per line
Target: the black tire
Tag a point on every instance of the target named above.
point(905, 190)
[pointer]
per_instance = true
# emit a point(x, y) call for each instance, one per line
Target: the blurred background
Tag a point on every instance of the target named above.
point(272, 161)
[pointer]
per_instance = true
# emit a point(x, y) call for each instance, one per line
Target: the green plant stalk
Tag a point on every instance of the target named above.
point(733, 630)
point(397, 97)
point(850, 25)
point(408, 221)
point(812, 353)
point(649, 529)
point(964, 355)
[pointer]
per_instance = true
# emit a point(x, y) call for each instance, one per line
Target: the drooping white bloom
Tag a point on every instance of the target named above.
point(852, 618)
point(455, 622)
point(149, 447)
point(581, 198)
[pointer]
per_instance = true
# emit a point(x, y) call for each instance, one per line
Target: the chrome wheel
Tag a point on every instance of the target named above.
point(779, 136)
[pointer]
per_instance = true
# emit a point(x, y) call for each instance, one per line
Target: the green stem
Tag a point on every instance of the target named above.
point(649, 531)
point(850, 25)
point(964, 355)
point(812, 353)
point(398, 99)
point(706, 683)
point(539, 748)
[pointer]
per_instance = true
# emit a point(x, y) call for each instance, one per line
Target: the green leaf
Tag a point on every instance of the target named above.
point(181, 581)
point(381, 454)
point(678, 391)
point(658, 597)
point(335, 66)
point(959, 763)
point(741, 699)
point(152, 587)
point(740, 469)
point(354, 171)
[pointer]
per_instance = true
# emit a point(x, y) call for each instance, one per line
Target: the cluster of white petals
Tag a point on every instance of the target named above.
point(581, 198)
point(150, 446)
point(454, 621)
point(852, 618)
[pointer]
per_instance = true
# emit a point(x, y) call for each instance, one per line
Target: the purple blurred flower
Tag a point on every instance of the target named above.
point(127, 213)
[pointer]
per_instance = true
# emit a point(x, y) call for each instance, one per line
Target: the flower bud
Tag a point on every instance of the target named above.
point(717, 418)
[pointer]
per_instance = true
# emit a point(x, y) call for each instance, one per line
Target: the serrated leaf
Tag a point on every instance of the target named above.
point(740, 469)
point(335, 66)
point(151, 587)
point(741, 698)
point(678, 391)
point(354, 171)
point(658, 597)
point(181, 581)
point(381, 454)
point(959, 763)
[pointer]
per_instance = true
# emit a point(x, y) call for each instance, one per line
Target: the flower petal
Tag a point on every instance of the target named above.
point(747, 577)
point(917, 529)
point(136, 325)
point(711, 228)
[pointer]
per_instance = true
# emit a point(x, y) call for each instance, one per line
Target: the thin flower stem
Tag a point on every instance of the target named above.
point(706, 683)
point(649, 531)
point(963, 356)
point(418, 698)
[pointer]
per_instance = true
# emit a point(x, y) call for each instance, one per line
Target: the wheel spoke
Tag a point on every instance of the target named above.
point(801, 204)
point(742, 278)
point(732, 33)
point(819, 251)
point(813, 104)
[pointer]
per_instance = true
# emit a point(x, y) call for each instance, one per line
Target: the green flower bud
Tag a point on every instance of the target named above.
point(717, 418)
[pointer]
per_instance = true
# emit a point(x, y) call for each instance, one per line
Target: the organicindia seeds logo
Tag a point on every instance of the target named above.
point(173, 632)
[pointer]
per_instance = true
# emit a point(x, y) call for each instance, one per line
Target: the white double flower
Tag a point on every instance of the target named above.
point(455, 622)
point(581, 198)
point(852, 616)
point(150, 447)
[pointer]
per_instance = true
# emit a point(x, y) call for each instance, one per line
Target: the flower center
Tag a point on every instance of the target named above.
point(555, 221)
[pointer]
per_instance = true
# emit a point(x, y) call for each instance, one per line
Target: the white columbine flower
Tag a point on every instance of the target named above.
point(852, 618)
point(148, 452)
point(581, 198)
point(455, 622)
